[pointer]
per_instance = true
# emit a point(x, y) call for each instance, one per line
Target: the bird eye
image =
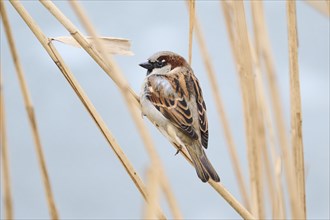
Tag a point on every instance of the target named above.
point(160, 64)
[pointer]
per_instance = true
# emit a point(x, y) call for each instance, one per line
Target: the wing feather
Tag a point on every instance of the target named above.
point(166, 94)
point(201, 112)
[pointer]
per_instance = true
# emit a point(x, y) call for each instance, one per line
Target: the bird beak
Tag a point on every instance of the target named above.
point(146, 65)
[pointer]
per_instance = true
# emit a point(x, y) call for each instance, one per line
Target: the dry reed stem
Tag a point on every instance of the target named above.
point(279, 211)
point(273, 183)
point(153, 184)
point(264, 52)
point(221, 112)
point(148, 143)
point(5, 169)
point(93, 53)
point(31, 116)
point(51, 50)
point(191, 27)
point(280, 189)
point(258, 22)
point(242, 53)
point(227, 15)
point(267, 163)
point(296, 115)
point(169, 195)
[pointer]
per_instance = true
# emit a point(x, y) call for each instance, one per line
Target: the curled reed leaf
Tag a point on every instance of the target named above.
point(112, 45)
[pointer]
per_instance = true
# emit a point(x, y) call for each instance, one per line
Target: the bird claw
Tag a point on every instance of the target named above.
point(178, 151)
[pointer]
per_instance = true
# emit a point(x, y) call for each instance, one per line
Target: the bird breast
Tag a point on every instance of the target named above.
point(148, 109)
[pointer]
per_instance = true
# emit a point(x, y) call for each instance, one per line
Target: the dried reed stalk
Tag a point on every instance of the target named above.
point(236, 26)
point(296, 115)
point(169, 195)
point(218, 187)
point(153, 184)
point(262, 45)
point(5, 169)
point(31, 116)
point(268, 172)
point(264, 52)
point(279, 210)
point(148, 143)
point(51, 50)
point(274, 179)
point(221, 111)
point(191, 27)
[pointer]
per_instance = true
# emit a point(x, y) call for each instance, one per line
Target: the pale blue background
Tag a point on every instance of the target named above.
point(87, 179)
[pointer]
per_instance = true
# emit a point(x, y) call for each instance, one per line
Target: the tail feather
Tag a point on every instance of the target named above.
point(202, 164)
point(208, 166)
point(201, 171)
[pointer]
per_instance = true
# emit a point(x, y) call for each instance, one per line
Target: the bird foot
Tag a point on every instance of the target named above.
point(178, 151)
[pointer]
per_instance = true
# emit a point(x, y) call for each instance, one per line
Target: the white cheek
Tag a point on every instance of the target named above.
point(161, 71)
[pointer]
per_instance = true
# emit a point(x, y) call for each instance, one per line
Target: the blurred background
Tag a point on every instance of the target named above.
point(87, 179)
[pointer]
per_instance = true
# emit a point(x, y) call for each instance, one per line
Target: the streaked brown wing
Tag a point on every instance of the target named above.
point(201, 112)
point(171, 100)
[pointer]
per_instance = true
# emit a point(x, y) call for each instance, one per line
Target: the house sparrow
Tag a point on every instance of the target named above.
point(172, 99)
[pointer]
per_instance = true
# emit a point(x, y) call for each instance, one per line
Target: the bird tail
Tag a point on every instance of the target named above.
point(201, 163)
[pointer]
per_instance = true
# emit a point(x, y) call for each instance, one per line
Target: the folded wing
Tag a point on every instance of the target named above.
point(169, 95)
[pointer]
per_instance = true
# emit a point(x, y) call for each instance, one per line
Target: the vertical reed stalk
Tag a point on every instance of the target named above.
point(51, 50)
point(153, 184)
point(237, 30)
point(265, 155)
point(169, 195)
point(250, 110)
point(5, 169)
point(265, 54)
point(221, 112)
point(191, 27)
point(296, 115)
point(31, 116)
